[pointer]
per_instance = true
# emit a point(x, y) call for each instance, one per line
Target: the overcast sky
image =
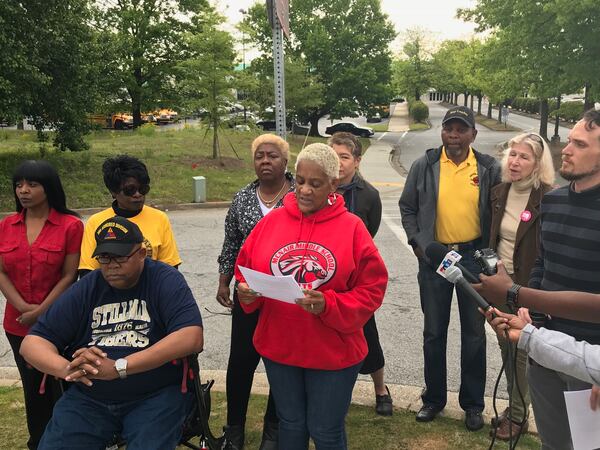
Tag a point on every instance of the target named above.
point(436, 16)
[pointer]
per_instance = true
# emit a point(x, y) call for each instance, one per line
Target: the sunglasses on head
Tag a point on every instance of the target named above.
point(536, 138)
point(131, 189)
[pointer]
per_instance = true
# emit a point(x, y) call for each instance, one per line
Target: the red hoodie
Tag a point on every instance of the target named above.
point(340, 260)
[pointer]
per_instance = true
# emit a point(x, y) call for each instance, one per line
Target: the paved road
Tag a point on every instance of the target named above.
point(523, 122)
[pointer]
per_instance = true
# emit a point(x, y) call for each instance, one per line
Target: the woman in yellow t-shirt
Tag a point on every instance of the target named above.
point(128, 181)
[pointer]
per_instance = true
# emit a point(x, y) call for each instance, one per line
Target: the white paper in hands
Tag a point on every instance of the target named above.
point(583, 422)
point(283, 288)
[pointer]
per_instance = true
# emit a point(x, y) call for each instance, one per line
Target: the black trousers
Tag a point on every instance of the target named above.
point(243, 360)
point(374, 359)
point(38, 407)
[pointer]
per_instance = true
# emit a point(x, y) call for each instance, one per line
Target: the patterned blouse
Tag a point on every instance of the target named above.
point(244, 213)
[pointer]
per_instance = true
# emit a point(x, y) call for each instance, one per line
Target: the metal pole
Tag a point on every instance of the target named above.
point(278, 63)
point(243, 11)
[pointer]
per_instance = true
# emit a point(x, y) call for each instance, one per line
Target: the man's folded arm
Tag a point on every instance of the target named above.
point(43, 355)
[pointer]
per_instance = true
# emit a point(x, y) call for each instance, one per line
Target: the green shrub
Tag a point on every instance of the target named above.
point(571, 111)
point(147, 129)
point(418, 110)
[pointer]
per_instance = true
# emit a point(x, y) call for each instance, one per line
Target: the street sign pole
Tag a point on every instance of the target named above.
point(278, 65)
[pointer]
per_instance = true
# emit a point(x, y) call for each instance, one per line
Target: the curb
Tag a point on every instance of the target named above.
point(165, 207)
point(407, 398)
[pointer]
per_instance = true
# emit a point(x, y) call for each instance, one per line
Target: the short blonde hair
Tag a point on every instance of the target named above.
point(324, 156)
point(543, 171)
point(272, 139)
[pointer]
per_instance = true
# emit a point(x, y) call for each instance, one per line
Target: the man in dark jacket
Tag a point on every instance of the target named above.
point(446, 199)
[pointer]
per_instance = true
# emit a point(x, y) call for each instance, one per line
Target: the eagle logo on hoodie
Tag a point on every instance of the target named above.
point(311, 264)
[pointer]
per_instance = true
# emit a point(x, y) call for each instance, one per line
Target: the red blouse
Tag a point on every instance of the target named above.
point(35, 269)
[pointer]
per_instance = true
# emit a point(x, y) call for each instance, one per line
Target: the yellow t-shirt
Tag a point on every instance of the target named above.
point(154, 225)
point(457, 215)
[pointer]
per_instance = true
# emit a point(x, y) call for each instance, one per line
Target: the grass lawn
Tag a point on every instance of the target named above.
point(173, 157)
point(380, 127)
point(493, 124)
point(418, 126)
point(366, 430)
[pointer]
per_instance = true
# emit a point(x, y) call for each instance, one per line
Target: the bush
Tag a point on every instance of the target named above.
point(526, 104)
point(570, 111)
point(418, 110)
point(147, 129)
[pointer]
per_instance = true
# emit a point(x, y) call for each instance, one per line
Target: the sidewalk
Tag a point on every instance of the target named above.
point(399, 118)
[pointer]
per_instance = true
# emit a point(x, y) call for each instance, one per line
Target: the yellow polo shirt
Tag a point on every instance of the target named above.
point(457, 215)
point(155, 227)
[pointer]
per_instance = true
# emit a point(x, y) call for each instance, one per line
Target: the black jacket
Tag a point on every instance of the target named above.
point(368, 204)
point(418, 202)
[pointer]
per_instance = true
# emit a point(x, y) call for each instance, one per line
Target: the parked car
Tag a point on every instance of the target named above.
point(375, 117)
point(271, 125)
point(350, 128)
point(234, 119)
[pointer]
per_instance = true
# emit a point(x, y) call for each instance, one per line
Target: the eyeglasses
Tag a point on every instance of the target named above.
point(106, 259)
point(131, 189)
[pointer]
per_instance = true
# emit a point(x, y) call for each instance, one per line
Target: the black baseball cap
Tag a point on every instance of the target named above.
point(117, 236)
point(461, 113)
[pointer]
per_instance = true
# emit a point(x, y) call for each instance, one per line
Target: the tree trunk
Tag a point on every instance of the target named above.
point(314, 125)
point(472, 97)
point(479, 100)
point(215, 126)
point(499, 112)
point(588, 103)
point(466, 98)
point(556, 137)
point(136, 98)
point(489, 113)
point(544, 118)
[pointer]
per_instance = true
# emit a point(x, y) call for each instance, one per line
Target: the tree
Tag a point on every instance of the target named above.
point(533, 42)
point(414, 73)
point(145, 42)
point(206, 77)
point(48, 72)
point(303, 91)
point(343, 43)
point(449, 69)
point(579, 21)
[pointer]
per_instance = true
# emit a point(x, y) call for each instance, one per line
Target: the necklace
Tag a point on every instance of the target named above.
point(274, 199)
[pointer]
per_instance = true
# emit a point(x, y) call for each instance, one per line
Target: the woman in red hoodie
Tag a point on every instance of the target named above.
point(313, 350)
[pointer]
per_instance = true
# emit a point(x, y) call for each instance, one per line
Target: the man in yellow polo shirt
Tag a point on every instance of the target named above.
point(128, 181)
point(446, 199)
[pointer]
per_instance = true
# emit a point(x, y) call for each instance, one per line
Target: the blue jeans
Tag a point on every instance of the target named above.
point(153, 422)
point(436, 300)
point(311, 403)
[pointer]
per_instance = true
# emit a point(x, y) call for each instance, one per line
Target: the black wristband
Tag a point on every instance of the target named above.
point(512, 296)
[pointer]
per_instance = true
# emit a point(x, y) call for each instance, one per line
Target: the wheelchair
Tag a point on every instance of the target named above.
point(195, 425)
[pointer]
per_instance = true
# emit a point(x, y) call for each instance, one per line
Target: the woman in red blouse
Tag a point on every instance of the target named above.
point(39, 255)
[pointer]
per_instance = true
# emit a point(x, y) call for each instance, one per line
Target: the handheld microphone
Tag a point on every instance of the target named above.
point(454, 275)
point(438, 254)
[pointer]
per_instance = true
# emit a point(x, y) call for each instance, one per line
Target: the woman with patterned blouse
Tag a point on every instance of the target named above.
point(249, 205)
